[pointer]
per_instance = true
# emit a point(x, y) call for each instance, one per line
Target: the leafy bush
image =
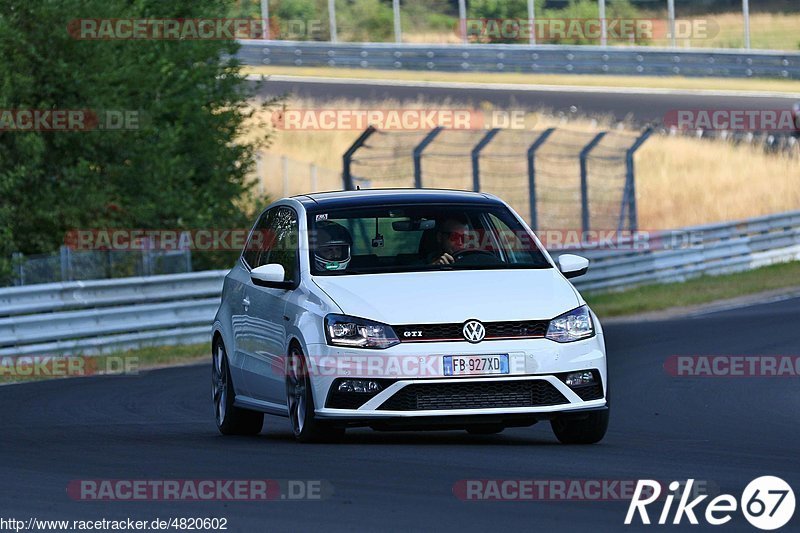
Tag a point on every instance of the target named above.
point(182, 168)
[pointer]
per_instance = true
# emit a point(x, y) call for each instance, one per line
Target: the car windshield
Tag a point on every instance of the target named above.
point(407, 238)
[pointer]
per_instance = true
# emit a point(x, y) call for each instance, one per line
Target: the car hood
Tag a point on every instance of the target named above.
point(452, 296)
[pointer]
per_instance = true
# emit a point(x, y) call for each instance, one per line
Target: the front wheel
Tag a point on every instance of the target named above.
point(588, 429)
point(230, 420)
point(300, 399)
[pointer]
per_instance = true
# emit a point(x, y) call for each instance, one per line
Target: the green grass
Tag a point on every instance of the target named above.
point(701, 290)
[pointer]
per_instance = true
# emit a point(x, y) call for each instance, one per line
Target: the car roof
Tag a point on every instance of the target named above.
point(372, 197)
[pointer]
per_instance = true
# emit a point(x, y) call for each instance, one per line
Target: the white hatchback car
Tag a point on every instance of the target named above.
point(405, 309)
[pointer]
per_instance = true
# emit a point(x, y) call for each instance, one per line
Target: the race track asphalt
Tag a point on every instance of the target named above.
point(159, 425)
point(639, 108)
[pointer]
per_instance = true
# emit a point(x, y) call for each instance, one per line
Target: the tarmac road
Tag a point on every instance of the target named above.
point(159, 425)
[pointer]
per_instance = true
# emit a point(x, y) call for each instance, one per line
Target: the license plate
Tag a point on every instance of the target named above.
point(475, 365)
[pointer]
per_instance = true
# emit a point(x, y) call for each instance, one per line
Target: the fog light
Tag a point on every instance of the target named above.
point(365, 386)
point(577, 379)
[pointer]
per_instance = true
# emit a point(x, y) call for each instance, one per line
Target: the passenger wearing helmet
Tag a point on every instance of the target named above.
point(332, 250)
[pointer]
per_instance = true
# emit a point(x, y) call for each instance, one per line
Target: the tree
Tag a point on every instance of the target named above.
point(182, 168)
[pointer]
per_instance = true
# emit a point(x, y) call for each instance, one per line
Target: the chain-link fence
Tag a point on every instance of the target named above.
point(554, 178)
point(71, 265)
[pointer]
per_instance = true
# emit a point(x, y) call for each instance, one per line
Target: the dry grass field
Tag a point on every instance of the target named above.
point(680, 181)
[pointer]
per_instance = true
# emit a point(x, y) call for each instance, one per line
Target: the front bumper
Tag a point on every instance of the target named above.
point(412, 381)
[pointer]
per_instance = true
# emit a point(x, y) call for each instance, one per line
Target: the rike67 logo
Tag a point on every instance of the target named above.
point(767, 503)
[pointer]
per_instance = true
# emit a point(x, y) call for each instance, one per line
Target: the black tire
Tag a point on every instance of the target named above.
point(586, 429)
point(306, 427)
point(230, 420)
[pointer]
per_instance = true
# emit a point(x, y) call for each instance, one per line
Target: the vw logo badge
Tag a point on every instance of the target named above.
point(474, 331)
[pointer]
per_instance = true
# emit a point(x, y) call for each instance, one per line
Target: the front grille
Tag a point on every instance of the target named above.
point(589, 392)
point(454, 332)
point(474, 395)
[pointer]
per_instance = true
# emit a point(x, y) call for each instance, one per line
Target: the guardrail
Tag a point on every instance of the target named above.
point(109, 315)
point(545, 59)
point(701, 250)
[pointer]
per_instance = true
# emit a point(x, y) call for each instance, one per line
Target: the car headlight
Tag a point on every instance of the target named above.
point(571, 326)
point(352, 332)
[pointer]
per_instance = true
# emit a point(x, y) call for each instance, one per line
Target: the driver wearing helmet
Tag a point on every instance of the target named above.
point(451, 234)
point(332, 251)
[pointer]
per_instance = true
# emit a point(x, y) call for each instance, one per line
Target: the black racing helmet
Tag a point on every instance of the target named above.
point(332, 250)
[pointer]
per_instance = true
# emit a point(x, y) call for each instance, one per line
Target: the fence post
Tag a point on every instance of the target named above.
point(532, 21)
point(17, 259)
point(312, 171)
point(347, 158)
point(462, 20)
point(532, 173)
point(671, 21)
point(603, 23)
point(265, 18)
point(285, 175)
point(476, 154)
point(332, 20)
point(398, 30)
point(147, 265)
point(260, 173)
point(66, 271)
point(629, 193)
point(746, 16)
point(418, 154)
point(584, 179)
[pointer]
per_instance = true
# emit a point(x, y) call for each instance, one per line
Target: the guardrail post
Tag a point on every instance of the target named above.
point(532, 173)
point(476, 155)
point(585, 181)
point(347, 175)
point(629, 193)
point(418, 154)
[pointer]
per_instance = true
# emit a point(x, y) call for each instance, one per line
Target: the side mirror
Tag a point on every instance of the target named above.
point(573, 266)
point(271, 275)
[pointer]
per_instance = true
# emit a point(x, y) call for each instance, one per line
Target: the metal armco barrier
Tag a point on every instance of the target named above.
point(109, 315)
point(546, 59)
point(691, 252)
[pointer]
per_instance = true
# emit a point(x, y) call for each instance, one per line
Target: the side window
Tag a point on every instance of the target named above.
point(282, 242)
point(255, 243)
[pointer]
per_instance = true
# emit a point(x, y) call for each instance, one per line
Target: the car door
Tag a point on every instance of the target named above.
point(240, 354)
point(266, 312)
